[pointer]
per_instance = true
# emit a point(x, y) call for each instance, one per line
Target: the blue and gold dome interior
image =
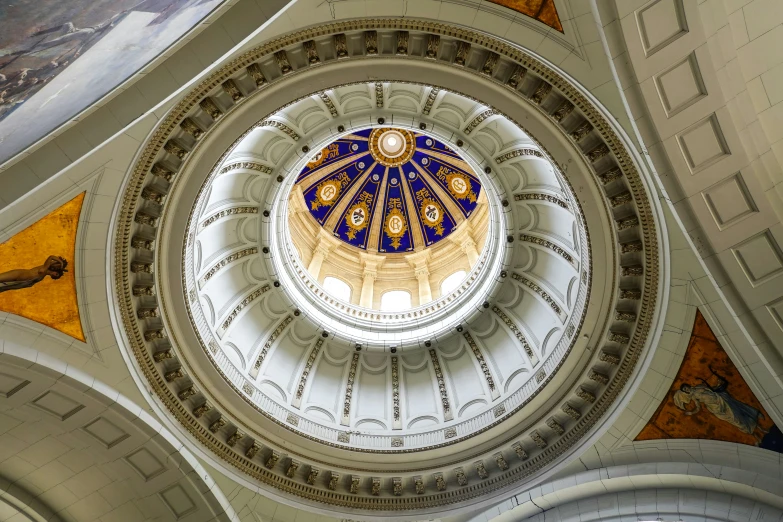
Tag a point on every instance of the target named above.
point(389, 190)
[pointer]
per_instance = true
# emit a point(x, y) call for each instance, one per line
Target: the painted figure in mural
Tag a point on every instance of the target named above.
point(54, 267)
point(718, 401)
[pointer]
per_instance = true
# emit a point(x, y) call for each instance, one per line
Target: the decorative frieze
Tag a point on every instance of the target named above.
point(440, 482)
point(475, 122)
point(249, 165)
point(617, 337)
point(153, 196)
point(517, 333)
point(375, 486)
point(555, 426)
point(281, 58)
point(580, 132)
point(538, 290)
point(500, 460)
point(174, 374)
point(518, 153)
point(189, 126)
point(462, 479)
point(332, 484)
point(540, 376)
point(598, 377)
point(234, 438)
point(630, 293)
point(341, 45)
point(630, 271)
point(463, 49)
point(142, 243)
point(450, 433)
point(481, 469)
point(232, 89)
point(225, 261)
point(290, 470)
point(307, 368)
point(541, 93)
point(544, 243)
point(255, 294)
point(288, 131)
point(379, 95)
point(402, 42)
point(209, 106)
point(499, 411)
point(396, 442)
point(217, 425)
point(430, 101)
point(418, 485)
point(148, 313)
point(247, 388)
point(585, 395)
point(228, 212)
point(199, 411)
point(519, 451)
point(253, 450)
point(609, 358)
point(292, 419)
point(620, 199)
point(397, 486)
point(563, 111)
point(433, 45)
point(444, 396)
point(571, 411)
point(269, 342)
point(395, 374)
point(311, 52)
point(631, 246)
point(329, 103)
point(354, 487)
point(610, 175)
point(271, 461)
point(538, 439)
point(371, 42)
point(187, 393)
point(162, 355)
point(254, 71)
point(151, 335)
point(489, 64)
point(626, 317)
point(517, 77)
point(349, 388)
point(598, 152)
point(344, 437)
point(482, 362)
point(144, 218)
point(536, 196)
point(160, 171)
point(312, 475)
point(627, 223)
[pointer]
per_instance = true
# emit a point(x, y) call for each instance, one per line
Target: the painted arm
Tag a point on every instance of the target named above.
point(53, 267)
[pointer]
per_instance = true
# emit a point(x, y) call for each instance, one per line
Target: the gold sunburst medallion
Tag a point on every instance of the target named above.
point(392, 147)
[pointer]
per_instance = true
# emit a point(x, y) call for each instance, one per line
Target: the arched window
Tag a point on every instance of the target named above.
point(338, 289)
point(396, 301)
point(452, 282)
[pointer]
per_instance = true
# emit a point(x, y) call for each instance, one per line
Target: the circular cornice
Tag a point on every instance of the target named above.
point(544, 440)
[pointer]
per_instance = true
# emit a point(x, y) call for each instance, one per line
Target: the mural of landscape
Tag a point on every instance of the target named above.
point(709, 399)
point(37, 276)
point(542, 10)
point(57, 57)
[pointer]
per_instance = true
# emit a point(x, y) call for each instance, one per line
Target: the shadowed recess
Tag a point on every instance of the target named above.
point(51, 302)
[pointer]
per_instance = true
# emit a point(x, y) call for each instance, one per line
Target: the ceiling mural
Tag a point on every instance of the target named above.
point(57, 57)
point(542, 10)
point(388, 189)
point(709, 399)
point(37, 277)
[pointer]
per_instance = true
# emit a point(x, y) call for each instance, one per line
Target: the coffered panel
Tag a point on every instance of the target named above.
point(659, 31)
point(755, 266)
point(681, 85)
point(703, 144)
point(729, 201)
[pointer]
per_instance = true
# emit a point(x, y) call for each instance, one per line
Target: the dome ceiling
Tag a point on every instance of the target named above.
point(388, 189)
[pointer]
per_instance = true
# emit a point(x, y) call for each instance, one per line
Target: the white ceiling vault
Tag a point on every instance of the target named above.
point(693, 86)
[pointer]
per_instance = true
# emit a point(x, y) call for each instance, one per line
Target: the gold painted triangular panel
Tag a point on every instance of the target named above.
point(542, 10)
point(28, 262)
point(710, 400)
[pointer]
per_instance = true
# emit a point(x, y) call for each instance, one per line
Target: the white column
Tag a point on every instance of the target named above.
point(371, 264)
point(425, 292)
point(463, 238)
point(323, 246)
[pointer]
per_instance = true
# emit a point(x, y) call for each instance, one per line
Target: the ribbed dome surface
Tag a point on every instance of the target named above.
point(389, 189)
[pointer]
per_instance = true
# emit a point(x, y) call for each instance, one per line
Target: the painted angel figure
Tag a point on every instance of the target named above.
point(54, 267)
point(719, 402)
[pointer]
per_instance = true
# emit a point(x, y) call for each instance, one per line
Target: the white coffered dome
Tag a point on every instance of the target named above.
point(348, 406)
